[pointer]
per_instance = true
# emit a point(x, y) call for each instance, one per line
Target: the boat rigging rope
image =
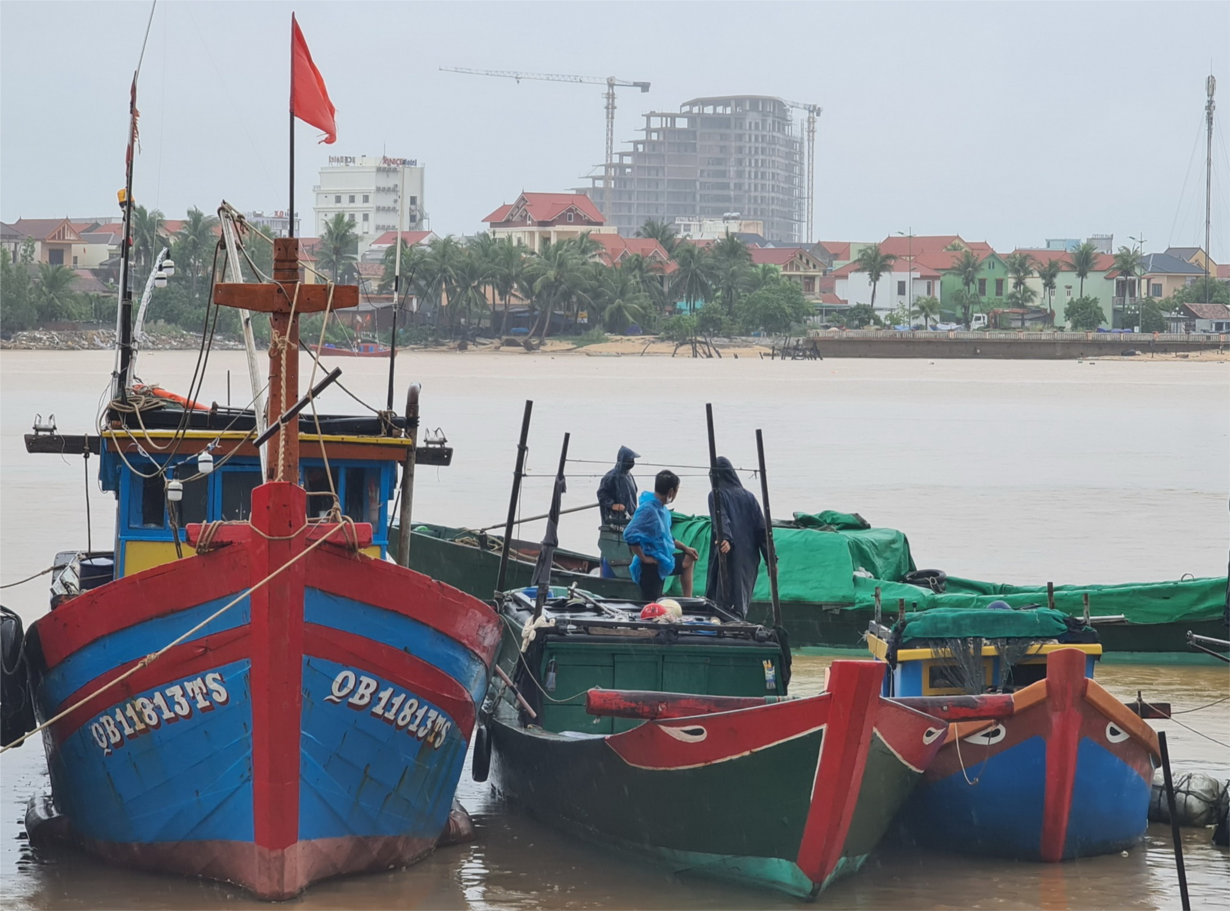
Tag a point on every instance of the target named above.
point(1192, 729)
point(336, 509)
point(154, 656)
point(28, 578)
point(281, 343)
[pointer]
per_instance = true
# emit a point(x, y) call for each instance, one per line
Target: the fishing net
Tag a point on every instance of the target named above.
point(962, 666)
point(1011, 652)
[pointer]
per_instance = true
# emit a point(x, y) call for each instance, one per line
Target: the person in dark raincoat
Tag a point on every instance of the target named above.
point(741, 538)
point(617, 490)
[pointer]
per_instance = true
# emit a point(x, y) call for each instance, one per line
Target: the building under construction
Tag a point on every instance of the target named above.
point(715, 157)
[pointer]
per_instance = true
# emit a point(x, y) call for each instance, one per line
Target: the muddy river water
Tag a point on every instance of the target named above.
point(1019, 472)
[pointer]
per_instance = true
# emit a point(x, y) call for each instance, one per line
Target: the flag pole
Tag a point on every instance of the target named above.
point(290, 212)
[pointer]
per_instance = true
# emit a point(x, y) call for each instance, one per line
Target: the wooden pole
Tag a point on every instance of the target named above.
point(541, 591)
point(407, 476)
point(1174, 822)
point(1050, 595)
point(723, 582)
point(502, 575)
point(768, 533)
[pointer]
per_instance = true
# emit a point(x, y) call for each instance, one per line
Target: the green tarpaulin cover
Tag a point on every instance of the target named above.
point(820, 565)
point(957, 623)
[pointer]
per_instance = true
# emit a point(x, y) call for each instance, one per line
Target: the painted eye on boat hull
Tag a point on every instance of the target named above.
point(931, 735)
point(988, 737)
point(1115, 734)
point(687, 735)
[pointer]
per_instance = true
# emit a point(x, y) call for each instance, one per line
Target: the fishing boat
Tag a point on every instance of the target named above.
point(830, 565)
point(358, 349)
point(1065, 773)
point(244, 688)
point(679, 741)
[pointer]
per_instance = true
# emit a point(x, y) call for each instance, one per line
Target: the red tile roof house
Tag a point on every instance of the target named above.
point(54, 239)
point(853, 286)
point(796, 264)
point(616, 249)
point(1201, 318)
point(535, 219)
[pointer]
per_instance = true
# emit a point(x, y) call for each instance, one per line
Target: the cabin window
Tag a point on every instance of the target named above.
point(237, 487)
point(151, 507)
point(194, 507)
point(319, 491)
point(947, 676)
point(361, 499)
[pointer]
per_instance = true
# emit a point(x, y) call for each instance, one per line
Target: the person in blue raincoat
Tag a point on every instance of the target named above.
point(617, 490)
point(741, 539)
point(658, 556)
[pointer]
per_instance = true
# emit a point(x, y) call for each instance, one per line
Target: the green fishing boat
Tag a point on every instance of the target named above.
point(678, 741)
point(830, 565)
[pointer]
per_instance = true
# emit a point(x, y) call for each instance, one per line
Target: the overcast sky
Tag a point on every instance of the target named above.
point(1005, 122)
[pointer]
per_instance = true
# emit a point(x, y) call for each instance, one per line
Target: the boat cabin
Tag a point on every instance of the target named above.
point(949, 652)
point(582, 642)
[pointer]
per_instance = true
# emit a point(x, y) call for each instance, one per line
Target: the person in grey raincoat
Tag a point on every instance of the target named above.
point(741, 539)
point(617, 490)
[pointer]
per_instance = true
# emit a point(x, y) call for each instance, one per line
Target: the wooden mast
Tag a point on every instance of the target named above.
point(285, 299)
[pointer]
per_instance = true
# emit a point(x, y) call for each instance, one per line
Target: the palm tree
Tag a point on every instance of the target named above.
point(472, 276)
point(1084, 260)
point(411, 266)
point(662, 233)
point(557, 279)
point(338, 249)
point(966, 268)
point(622, 298)
point(732, 267)
point(147, 237)
point(1128, 264)
point(441, 266)
point(875, 264)
point(506, 270)
point(650, 277)
point(693, 281)
point(929, 308)
point(763, 276)
point(1049, 273)
point(194, 244)
point(53, 295)
point(1020, 266)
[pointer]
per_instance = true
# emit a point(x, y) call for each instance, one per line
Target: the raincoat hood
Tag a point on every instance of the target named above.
point(727, 477)
point(626, 459)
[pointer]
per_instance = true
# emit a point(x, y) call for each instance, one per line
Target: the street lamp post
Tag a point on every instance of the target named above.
point(1140, 248)
point(909, 278)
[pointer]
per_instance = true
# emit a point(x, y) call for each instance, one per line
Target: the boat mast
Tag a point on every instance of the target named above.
point(1210, 86)
point(401, 213)
point(124, 327)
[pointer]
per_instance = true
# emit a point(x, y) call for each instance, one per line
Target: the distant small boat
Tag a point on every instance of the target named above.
point(362, 349)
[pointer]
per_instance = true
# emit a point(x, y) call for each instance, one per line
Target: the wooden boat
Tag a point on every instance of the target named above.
point(1135, 618)
point(789, 794)
point(359, 349)
point(1065, 774)
point(245, 689)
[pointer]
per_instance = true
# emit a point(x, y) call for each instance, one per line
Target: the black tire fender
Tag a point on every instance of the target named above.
point(480, 762)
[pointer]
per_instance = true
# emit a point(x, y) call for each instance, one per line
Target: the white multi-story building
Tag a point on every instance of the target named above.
point(366, 189)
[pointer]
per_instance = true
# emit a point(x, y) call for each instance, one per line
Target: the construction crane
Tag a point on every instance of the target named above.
point(813, 111)
point(610, 82)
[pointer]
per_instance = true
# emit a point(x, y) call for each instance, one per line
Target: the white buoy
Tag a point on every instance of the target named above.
point(205, 462)
point(175, 491)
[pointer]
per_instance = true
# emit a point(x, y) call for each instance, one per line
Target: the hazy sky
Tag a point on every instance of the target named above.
point(1009, 122)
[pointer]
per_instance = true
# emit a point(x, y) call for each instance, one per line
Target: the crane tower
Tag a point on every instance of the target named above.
point(813, 111)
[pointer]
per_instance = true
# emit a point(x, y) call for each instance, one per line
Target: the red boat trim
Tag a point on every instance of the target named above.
point(911, 731)
point(385, 585)
point(1065, 691)
point(156, 592)
point(854, 687)
point(424, 679)
point(184, 660)
point(688, 743)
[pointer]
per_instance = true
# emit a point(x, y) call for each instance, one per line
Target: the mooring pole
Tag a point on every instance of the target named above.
point(407, 476)
point(723, 586)
point(547, 554)
point(1174, 822)
point(768, 533)
point(512, 500)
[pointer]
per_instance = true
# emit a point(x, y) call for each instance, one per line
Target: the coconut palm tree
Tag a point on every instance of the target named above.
point(441, 266)
point(662, 233)
point(1128, 263)
point(194, 245)
point(929, 308)
point(763, 276)
point(53, 295)
point(966, 268)
point(1049, 273)
point(1020, 266)
point(693, 281)
point(875, 264)
point(472, 276)
point(506, 269)
point(1084, 260)
point(147, 238)
point(558, 280)
point(622, 298)
point(338, 249)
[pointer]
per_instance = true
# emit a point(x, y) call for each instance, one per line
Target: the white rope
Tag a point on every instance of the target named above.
point(154, 656)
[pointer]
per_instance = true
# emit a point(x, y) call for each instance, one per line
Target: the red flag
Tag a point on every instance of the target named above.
point(309, 99)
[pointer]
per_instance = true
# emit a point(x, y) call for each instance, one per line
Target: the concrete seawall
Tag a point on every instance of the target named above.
point(1004, 345)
